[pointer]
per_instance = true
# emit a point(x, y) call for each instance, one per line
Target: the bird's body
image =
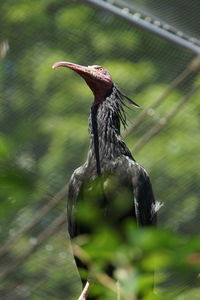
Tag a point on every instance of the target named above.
point(114, 159)
point(110, 160)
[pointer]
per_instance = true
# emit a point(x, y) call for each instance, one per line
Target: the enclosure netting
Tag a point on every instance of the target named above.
point(44, 126)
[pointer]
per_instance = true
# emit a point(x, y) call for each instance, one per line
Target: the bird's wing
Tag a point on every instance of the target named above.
point(144, 201)
point(144, 198)
point(74, 187)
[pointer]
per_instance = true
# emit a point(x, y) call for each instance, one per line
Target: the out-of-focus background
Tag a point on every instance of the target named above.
point(43, 119)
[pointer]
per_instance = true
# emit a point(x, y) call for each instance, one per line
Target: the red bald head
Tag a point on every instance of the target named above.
point(96, 77)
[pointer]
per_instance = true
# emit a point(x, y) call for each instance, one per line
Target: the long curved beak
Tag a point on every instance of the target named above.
point(87, 72)
point(75, 67)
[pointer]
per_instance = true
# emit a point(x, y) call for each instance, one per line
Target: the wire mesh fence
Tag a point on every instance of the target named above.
point(44, 126)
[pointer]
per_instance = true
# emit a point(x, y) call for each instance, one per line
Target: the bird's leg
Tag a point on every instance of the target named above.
point(84, 292)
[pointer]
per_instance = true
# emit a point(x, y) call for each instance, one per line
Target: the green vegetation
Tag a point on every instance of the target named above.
point(44, 137)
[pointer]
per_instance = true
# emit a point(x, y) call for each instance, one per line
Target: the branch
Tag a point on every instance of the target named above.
point(38, 216)
point(162, 122)
point(193, 66)
point(41, 238)
point(85, 292)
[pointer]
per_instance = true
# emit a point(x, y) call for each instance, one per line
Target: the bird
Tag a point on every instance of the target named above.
point(108, 160)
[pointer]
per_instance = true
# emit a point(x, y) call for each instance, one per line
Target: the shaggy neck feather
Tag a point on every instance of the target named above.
point(108, 116)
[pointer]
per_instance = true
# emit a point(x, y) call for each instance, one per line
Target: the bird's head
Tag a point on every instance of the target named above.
point(97, 78)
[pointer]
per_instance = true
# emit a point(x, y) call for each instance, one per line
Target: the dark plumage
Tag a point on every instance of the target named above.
point(109, 158)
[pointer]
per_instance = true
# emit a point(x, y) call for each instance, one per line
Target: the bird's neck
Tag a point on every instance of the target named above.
point(104, 128)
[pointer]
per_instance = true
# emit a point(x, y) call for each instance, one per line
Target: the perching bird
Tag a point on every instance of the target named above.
point(109, 158)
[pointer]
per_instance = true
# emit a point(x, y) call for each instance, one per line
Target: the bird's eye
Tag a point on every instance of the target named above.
point(102, 70)
point(99, 68)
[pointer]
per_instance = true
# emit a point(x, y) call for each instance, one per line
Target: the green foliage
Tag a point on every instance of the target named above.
point(43, 118)
point(140, 258)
